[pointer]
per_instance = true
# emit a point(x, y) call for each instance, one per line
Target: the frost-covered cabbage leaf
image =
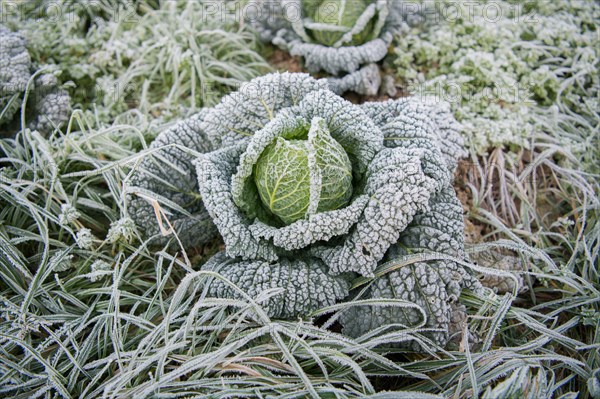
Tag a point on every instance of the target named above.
point(304, 284)
point(343, 38)
point(165, 186)
point(307, 190)
point(48, 105)
point(434, 285)
point(51, 105)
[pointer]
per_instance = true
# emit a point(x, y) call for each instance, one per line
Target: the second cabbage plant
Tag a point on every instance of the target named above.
point(310, 192)
point(345, 39)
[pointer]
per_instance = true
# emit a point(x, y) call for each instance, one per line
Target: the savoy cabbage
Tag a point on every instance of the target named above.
point(308, 191)
point(48, 105)
point(15, 65)
point(343, 38)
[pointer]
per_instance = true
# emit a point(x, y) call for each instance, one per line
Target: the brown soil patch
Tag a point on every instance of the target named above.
point(284, 62)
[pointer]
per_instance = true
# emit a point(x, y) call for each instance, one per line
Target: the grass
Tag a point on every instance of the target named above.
point(89, 310)
point(165, 61)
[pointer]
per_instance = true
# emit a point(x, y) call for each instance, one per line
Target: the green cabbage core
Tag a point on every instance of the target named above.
point(342, 13)
point(298, 177)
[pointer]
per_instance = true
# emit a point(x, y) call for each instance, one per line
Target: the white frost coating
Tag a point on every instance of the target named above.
point(433, 285)
point(306, 284)
point(169, 173)
point(319, 227)
point(340, 60)
point(365, 81)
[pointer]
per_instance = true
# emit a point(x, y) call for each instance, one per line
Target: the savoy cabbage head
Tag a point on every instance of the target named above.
point(308, 191)
point(343, 38)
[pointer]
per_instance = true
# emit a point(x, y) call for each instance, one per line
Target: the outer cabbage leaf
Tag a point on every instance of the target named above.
point(15, 65)
point(340, 60)
point(365, 81)
point(51, 104)
point(305, 282)
point(317, 227)
point(242, 113)
point(169, 173)
point(419, 123)
point(433, 285)
point(397, 190)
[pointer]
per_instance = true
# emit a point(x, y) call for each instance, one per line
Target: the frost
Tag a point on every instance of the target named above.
point(84, 238)
point(433, 285)
point(122, 229)
point(501, 78)
point(61, 261)
point(306, 286)
point(68, 214)
point(99, 270)
point(166, 180)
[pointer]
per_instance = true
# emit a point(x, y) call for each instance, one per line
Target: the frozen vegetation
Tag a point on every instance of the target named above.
point(414, 215)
